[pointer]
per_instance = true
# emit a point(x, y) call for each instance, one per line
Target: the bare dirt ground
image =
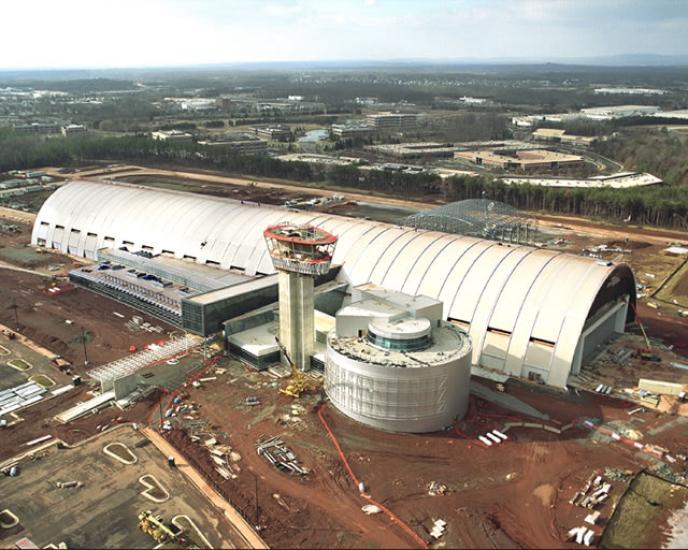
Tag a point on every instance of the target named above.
point(17, 215)
point(15, 249)
point(323, 510)
point(513, 495)
point(42, 318)
point(238, 192)
point(262, 184)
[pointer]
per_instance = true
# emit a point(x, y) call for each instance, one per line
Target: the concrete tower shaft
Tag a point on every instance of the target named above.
point(299, 253)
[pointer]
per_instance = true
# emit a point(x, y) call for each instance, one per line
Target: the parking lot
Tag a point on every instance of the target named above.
point(102, 510)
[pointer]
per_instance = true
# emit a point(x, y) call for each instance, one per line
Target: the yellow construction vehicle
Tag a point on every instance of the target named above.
point(298, 381)
point(154, 526)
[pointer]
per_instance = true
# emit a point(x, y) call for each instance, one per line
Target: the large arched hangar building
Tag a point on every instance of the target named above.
point(530, 312)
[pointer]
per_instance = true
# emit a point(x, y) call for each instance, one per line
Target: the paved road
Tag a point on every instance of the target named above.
point(17, 215)
point(246, 536)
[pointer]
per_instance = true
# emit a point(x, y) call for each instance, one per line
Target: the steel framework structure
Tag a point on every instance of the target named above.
point(484, 218)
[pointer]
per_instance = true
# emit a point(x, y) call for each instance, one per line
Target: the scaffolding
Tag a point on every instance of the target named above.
point(482, 218)
point(108, 373)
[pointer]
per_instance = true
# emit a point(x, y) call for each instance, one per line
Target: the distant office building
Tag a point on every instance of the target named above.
point(73, 129)
point(223, 102)
point(393, 122)
point(414, 150)
point(295, 98)
point(366, 100)
point(176, 136)
point(351, 129)
point(278, 132)
point(533, 159)
point(244, 144)
point(37, 128)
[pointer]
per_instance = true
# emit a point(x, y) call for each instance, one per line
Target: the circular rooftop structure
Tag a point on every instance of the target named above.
point(406, 334)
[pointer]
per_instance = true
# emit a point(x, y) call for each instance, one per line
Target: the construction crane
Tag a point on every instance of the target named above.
point(154, 526)
point(298, 381)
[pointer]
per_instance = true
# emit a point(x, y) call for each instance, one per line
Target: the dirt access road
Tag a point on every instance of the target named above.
point(210, 177)
point(582, 225)
point(17, 215)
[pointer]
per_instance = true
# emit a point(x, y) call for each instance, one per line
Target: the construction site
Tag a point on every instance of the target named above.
point(184, 367)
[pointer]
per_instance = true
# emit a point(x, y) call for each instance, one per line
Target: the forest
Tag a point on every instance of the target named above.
point(659, 153)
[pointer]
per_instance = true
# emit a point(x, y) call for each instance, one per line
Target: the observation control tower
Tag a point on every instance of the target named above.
point(299, 253)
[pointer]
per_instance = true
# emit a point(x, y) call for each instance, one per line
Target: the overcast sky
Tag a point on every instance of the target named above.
point(135, 33)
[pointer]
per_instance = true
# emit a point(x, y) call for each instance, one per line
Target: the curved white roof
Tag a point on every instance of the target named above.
point(524, 307)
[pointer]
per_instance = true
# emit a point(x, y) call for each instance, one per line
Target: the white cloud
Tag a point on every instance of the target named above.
point(104, 33)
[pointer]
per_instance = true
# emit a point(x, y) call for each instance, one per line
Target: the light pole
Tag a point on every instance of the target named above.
point(83, 341)
point(15, 307)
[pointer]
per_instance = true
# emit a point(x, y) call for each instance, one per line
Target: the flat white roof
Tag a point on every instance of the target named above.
point(258, 340)
point(250, 285)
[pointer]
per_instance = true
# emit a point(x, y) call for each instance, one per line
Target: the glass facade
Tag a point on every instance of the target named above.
point(413, 344)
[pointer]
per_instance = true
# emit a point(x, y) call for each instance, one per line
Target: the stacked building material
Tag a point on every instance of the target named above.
point(280, 456)
point(20, 396)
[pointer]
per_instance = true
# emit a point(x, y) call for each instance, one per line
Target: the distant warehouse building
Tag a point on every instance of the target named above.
point(630, 91)
point(679, 115)
point(530, 312)
point(393, 122)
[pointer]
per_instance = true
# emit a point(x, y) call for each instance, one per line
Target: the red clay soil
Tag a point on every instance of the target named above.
point(512, 495)
point(302, 526)
point(629, 245)
point(42, 319)
point(324, 510)
point(671, 330)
